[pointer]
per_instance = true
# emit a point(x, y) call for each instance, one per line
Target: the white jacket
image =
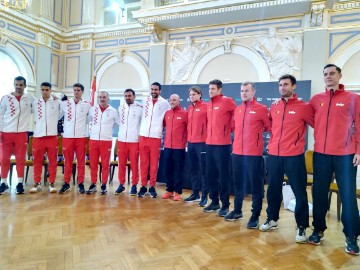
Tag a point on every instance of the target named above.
point(46, 116)
point(102, 123)
point(129, 122)
point(75, 118)
point(152, 117)
point(15, 115)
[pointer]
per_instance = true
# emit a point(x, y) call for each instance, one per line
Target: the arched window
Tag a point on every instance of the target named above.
point(8, 70)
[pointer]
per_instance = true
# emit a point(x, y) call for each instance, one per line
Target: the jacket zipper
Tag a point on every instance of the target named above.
point(327, 118)
point(45, 120)
point(100, 123)
point(152, 111)
point(19, 114)
point(282, 125)
point(172, 128)
point(242, 135)
point(127, 123)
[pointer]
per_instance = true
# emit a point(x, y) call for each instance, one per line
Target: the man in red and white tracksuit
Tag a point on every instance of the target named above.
point(251, 119)
point(289, 118)
point(15, 112)
point(175, 122)
point(130, 113)
point(196, 149)
point(47, 113)
point(102, 119)
point(151, 130)
point(220, 110)
point(336, 150)
point(74, 137)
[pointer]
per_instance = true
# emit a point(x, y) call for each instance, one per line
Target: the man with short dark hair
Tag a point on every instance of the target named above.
point(220, 110)
point(15, 111)
point(151, 130)
point(289, 117)
point(130, 113)
point(336, 150)
point(74, 138)
point(47, 112)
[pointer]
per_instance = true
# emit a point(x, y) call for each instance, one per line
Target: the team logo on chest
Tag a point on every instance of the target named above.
point(292, 112)
point(339, 104)
point(252, 112)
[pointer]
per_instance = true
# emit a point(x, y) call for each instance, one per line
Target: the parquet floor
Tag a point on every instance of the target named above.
point(73, 231)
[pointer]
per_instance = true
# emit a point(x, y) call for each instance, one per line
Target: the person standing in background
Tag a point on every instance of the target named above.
point(196, 130)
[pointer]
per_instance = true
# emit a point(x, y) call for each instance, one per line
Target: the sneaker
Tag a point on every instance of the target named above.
point(193, 198)
point(52, 188)
point(177, 197)
point(91, 189)
point(142, 192)
point(36, 188)
point(253, 223)
point(167, 195)
point(3, 188)
point(81, 188)
point(203, 201)
point(316, 238)
point(20, 188)
point(65, 188)
point(133, 191)
point(103, 190)
point(232, 216)
point(268, 225)
point(119, 190)
point(301, 235)
point(223, 211)
point(152, 192)
point(212, 207)
point(351, 246)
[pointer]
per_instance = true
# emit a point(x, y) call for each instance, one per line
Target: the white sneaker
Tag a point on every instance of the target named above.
point(268, 225)
point(301, 235)
point(52, 188)
point(36, 188)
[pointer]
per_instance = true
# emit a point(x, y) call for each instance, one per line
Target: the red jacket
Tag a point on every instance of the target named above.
point(197, 121)
point(337, 122)
point(288, 127)
point(220, 110)
point(251, 119)
point(175, 121)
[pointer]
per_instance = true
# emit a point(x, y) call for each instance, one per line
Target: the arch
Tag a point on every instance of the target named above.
point(25, 66)
point(143, 73)
point(343, 56)
point(248, 53)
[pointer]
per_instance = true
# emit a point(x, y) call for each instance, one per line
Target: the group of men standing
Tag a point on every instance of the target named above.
point(205, 128)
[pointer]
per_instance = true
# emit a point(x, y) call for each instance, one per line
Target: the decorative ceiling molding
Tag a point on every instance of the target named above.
point(203, 9)
point(346, 6)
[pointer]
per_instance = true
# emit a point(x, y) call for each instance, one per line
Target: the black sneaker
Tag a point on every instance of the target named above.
point(20, 188)
point(316, 238)
point(119, 190)
point(193, 198)
point(65, 188)
point(253, 223)
point(351, 246)
point(152, 192)
point(212, 207)
point(91, 189)
point(4, 188)
point(133, 191)
point(103, 190)
point(81, 188)
point(232, 216)
point(142, 192)
point(224, 210)
point(203, 201)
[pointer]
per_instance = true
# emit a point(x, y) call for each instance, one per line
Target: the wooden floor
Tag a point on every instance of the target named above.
point(73, 231)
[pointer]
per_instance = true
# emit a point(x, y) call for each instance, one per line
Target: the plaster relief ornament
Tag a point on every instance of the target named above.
point(3, 40)
point(183, 61)
point(282, 54)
